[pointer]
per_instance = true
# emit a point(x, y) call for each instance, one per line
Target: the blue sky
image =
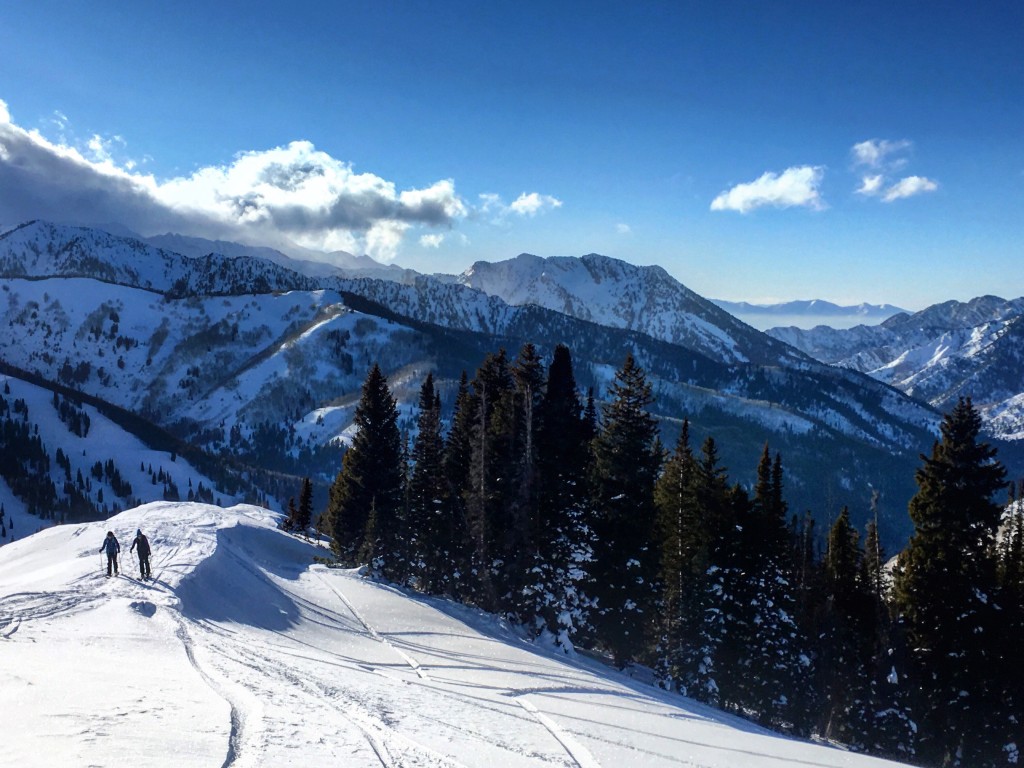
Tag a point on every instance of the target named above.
point(845, 151)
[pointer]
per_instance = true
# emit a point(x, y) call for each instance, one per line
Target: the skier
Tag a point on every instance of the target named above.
point(143, 544)
point(112, 548)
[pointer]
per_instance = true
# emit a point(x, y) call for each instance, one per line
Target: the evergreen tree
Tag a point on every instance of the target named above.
point(945, 592)
point(304, 512)
point(777, 670)
point(680, 537)
point(461, 578)
point(291, 513)
point(627, 457)
point(370, 480)
point(528, 376)
point(846, 641)
point(428, 532)
point(713, 545)
point(558, 583)
point(492, 495)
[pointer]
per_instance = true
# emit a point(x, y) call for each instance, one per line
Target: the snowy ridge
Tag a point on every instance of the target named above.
point(247, 360)
point(241, 652)
point(944, 352)
point(617, 294)
point(39, 249)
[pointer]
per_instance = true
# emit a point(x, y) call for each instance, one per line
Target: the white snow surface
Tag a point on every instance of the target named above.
point(243, 652)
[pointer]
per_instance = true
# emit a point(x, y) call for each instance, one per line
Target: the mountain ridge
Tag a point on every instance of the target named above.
point(244, 357)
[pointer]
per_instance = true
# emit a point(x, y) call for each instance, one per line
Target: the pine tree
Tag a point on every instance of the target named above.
point(680, 536)
point(846, 641)
point(461, 578)
point(291, 513)
point(558, 584)
point(777, 675)
point(627, 457)
point(945, 592)
point(428, 530)
point(370, 480)
point(304, 512)
point(492, 494)
point(712, 557)
point(528, 377)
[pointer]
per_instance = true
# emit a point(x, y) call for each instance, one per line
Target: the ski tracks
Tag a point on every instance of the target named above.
point(239, 731)
point(415, 665)
point(579, 754)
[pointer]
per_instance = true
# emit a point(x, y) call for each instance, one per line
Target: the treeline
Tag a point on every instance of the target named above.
point(579, 526)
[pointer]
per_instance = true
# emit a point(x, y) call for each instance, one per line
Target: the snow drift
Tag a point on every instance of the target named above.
point(243, 652)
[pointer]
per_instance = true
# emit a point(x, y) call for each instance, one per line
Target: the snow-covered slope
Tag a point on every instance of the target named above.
point(617, 294)
point(950, 350)
point(253, 362)
point(241, 652)
point(77, 462)
point(301, 260)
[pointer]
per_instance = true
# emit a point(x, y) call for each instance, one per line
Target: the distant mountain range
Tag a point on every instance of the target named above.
point(947, 351)
point(808, 314)
point(254, 360)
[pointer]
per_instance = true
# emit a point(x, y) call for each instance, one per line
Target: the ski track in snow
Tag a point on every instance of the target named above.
point(416, 666)
point(576, 751)
point(252, 657)
point(237, 724)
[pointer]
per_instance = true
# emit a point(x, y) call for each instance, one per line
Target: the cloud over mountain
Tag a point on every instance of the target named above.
point(293, 192)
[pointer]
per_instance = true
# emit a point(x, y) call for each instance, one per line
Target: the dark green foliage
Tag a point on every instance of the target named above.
point(558, 583)
point(493, 488)
point(627, 457)
point(946, 593)
point(461, 577)
point(429, 524)
point(304, 513)
point(366, 498)
point(683, 551)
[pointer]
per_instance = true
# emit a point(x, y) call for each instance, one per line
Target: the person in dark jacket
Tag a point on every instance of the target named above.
point(112, 548)
point(143, 544)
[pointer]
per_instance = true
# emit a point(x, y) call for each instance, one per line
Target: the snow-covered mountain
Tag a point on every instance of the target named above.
point(301, 260)
point(808, 314)
point(950, 350)
point(257, 365)
point(242, 652)
point(617, 294)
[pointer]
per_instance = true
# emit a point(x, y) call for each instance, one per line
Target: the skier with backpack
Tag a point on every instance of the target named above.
point(143, 544)
point(113, 549)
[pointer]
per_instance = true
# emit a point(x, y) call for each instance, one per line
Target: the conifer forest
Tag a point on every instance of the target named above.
point(576, 523)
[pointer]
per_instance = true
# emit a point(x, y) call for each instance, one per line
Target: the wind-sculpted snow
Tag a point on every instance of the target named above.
point(242, 652)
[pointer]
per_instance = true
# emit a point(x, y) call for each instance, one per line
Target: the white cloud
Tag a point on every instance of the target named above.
point(532, 203)
point(623, 228)
point(878, 153)
point(796, 186)
point(871, 185)
point(383, 239)
point(908, 187)
point(527, 204)
point(293, 193)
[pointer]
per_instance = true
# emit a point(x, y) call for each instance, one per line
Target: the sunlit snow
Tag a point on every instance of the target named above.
point(243, 652)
